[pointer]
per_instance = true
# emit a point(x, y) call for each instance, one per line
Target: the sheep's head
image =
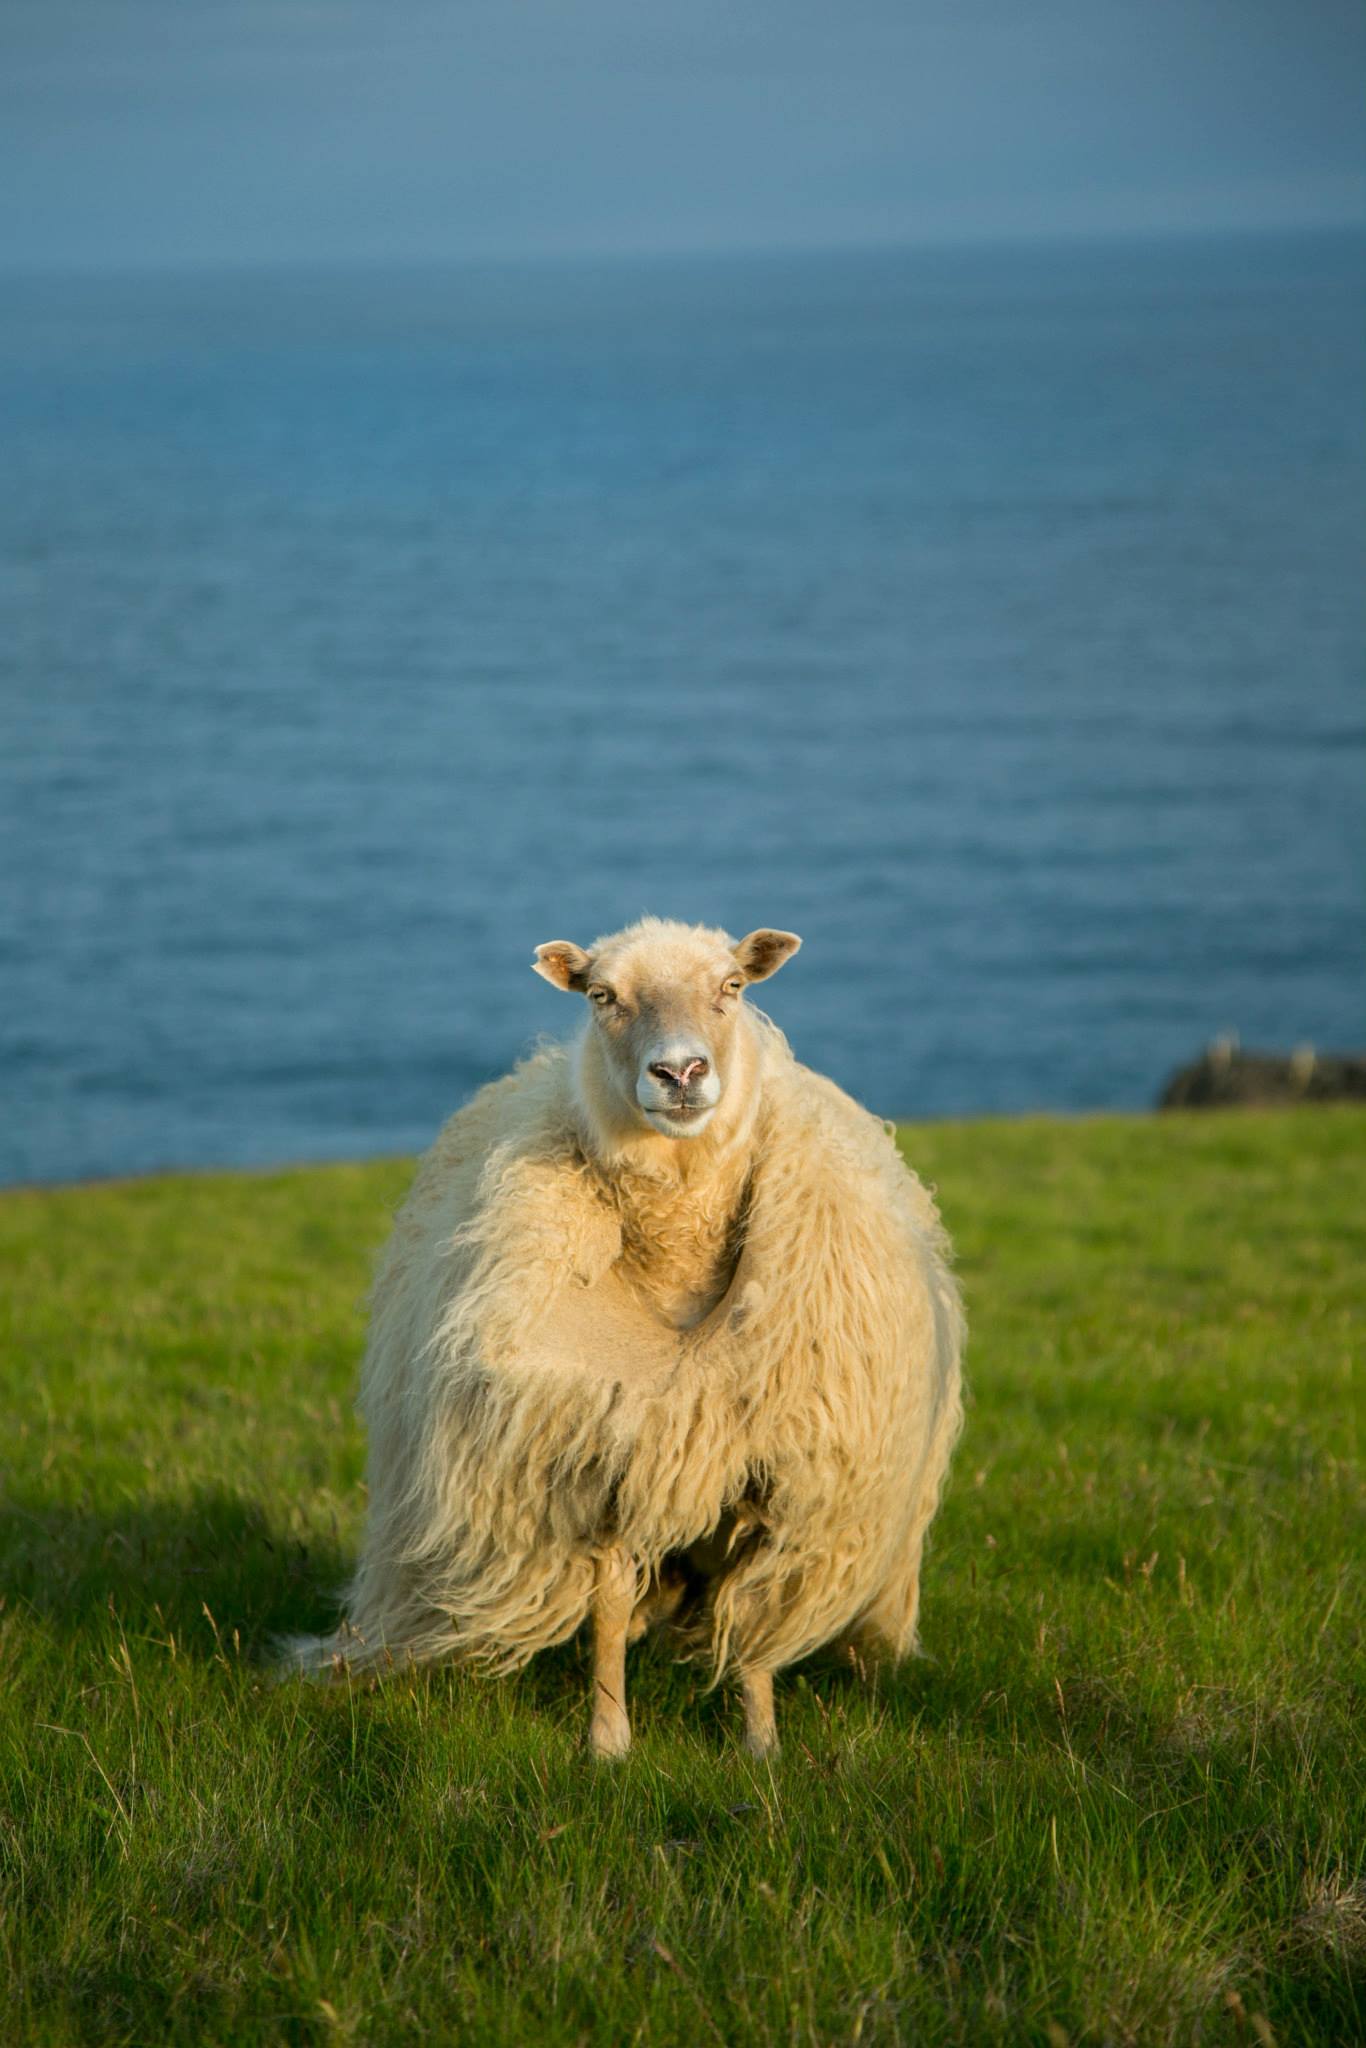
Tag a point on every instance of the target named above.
point(665, 1003)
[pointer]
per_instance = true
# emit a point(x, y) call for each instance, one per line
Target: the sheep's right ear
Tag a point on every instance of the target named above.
point(563, 963)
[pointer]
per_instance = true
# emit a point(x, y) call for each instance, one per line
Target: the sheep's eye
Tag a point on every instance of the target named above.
point(733, 986)
point(599, 995)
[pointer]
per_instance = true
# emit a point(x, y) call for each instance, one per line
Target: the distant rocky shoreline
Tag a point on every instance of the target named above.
point(1226, 1077)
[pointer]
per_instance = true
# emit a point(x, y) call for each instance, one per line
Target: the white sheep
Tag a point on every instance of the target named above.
point(665, 1329)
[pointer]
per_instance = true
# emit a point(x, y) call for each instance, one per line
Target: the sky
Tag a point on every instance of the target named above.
point(171, 132)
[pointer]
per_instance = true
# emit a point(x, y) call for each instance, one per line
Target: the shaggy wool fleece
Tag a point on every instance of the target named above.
point(527, 1404)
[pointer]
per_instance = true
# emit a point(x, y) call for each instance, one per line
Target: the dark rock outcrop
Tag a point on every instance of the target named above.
point(1226, 1077)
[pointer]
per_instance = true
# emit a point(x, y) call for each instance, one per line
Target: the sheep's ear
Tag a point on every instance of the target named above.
point(563, 963)
point(764, 952)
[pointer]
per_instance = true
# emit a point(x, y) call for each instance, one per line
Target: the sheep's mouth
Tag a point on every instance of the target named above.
point(679, 1119)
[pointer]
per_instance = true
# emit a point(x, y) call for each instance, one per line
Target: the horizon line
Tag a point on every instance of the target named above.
point(984, 242)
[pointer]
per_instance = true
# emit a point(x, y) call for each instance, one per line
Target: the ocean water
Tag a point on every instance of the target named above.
point(992, 619)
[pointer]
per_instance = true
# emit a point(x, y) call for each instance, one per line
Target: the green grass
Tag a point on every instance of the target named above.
point(1122, 1800)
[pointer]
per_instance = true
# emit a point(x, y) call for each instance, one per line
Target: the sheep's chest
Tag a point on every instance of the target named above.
point(679, 1245)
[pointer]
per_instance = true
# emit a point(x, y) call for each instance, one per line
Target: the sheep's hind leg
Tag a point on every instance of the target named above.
point(614, 1597)
point(761, 1728)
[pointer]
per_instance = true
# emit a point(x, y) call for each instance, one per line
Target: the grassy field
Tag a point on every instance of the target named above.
point(1121, 1800)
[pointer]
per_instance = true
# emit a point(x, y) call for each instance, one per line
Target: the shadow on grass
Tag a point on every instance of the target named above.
point(157, 1565)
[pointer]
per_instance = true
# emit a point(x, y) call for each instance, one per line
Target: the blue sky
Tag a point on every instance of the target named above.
point(200, 131)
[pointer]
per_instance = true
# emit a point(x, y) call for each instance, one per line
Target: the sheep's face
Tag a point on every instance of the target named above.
point(665, 1003)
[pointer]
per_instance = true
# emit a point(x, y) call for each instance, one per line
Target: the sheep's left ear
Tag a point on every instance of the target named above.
point(564, 964)
point(764, 952)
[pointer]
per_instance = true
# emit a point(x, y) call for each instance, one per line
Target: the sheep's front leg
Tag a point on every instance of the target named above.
point(614, 1597)
point(761, 1729)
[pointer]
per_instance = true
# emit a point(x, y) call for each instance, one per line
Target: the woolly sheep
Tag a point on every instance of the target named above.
point(665, 1330)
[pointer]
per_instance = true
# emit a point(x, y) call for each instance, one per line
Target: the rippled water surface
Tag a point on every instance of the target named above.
point(993, 620)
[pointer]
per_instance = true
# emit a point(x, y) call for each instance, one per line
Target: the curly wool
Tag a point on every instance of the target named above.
point(527, 1402)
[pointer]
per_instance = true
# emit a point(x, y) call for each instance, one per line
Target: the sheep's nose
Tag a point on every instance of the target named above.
point(679, 1077)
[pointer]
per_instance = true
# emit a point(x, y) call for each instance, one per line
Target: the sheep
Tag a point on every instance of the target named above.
point(665, 1331)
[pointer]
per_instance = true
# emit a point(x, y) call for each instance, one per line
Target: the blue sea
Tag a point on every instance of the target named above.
point(994, 619)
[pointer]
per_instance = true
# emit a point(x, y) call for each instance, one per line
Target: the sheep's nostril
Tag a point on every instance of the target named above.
point(680, 1077)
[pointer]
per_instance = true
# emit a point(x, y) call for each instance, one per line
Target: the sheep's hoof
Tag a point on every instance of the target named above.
point(761, 1742)
point(609, 1735)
